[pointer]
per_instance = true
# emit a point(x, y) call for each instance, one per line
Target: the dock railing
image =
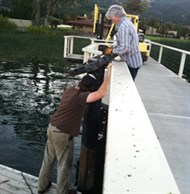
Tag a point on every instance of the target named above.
point(89, 51)
point(68, 51)
point(183, 53)
point(134, 160)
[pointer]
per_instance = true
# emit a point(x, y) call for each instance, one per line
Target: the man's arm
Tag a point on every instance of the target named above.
point(100, 93)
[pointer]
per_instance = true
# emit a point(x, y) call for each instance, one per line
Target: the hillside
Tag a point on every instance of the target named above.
point(174, 11)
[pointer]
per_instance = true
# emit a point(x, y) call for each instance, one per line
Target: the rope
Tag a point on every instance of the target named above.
point(27, 183)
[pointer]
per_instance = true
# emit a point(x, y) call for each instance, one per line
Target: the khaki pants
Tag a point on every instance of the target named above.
point(58, 147)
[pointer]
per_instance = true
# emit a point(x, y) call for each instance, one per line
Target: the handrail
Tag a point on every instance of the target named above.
point(69, 45)
point(134, 160)
point(183, 56)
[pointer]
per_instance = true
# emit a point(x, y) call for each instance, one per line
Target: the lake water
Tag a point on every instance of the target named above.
point(29, 94)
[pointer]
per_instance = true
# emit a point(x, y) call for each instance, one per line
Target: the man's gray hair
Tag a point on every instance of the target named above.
point(115, 10)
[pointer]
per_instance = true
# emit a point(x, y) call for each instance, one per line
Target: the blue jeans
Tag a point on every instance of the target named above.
point(133, 72)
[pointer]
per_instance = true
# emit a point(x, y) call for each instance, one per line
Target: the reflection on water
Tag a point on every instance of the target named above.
point(28, 96)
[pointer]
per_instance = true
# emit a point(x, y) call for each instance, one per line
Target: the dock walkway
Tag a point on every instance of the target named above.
point(166, 98)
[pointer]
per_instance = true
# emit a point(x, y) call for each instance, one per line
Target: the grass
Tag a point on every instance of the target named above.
point(26, 47)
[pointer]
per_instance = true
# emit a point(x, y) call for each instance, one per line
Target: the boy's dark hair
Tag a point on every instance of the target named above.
point(87, 83)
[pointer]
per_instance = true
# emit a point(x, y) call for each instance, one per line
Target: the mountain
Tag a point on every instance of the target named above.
point(173, 11)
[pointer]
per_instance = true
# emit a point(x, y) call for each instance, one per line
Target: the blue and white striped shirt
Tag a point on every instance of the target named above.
point(127, 46)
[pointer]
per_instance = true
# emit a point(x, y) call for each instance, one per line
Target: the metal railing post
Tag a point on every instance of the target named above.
point(182, 64)
point(65, 47)
point(160, 54)
point(71, 45)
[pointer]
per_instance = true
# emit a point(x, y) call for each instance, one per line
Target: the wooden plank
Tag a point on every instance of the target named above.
point(14, 181)
point(16, 175)
point(16, 184)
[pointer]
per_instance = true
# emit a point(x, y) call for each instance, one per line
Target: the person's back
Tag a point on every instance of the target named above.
point(128, 43)
point(68, 116)
point(134, 40)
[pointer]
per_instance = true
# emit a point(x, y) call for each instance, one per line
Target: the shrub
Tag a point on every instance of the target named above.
point(6, 24)
point(54, 21)
point(49, 31)
point(38, 30)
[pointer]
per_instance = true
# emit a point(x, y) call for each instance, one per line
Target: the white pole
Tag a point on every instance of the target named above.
point(65, 48)
point(71, 45)
point(182, 64)
point(160, 55)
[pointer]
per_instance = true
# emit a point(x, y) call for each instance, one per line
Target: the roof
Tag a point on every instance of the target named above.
point(84, 22)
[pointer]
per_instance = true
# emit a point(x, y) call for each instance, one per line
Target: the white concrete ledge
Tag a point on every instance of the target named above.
point(134, 160)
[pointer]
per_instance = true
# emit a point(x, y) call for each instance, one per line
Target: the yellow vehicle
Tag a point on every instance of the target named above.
point(144, 45)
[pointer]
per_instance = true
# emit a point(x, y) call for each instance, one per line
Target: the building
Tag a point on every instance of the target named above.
point(85, 25)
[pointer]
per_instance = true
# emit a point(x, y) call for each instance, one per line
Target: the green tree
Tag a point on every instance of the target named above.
point(45, 8)
point(37, 12)
point(21, 9)
point(136, 7)
point(163, 28)
point(154, 23)
point(184, 32)
point(143, 25)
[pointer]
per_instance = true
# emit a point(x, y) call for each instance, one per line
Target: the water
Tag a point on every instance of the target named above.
point(29, 94)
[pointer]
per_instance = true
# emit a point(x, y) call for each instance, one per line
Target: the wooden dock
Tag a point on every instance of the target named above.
point(15, 182)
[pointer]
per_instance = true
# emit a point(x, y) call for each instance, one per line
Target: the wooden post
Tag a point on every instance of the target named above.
point(91, 126)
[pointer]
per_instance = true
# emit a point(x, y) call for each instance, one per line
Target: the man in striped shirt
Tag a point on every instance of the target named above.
point(127, 46)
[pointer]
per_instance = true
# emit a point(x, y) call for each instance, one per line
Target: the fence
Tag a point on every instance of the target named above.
point(177, 60)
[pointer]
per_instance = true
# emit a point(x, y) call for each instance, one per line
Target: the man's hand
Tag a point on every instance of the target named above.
point(108, 51)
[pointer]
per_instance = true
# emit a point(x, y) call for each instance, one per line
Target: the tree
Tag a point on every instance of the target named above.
point(143, 25)
point(44, 9)
point(21, 9)
point(136, 7)
point(184, 32)
point(163, 29)
point(154, 23)
point(49, 8)
point(37, 13)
